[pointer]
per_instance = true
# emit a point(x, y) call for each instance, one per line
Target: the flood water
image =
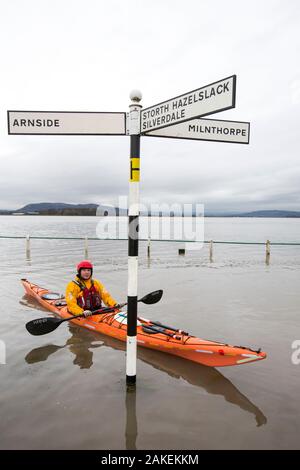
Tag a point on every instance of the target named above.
point(66, 390)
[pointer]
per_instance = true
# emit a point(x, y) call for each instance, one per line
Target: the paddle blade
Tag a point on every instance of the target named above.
point(42, 326)
point(153, 297)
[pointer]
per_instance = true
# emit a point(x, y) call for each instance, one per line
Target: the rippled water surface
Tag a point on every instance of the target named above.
point(66, 390)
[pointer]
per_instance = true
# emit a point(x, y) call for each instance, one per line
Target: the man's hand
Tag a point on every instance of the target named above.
point(119, 306)
point(87, 313)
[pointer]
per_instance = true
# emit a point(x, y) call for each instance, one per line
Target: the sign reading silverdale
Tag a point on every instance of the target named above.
point(210, 99)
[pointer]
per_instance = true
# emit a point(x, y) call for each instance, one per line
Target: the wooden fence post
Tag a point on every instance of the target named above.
point(28, 247)
point(268, 252)
point(86, 248)
point(211, 247)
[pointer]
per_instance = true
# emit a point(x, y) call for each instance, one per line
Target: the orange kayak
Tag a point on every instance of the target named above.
point(179, 343)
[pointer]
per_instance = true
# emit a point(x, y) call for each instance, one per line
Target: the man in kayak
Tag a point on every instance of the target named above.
point(85, 294)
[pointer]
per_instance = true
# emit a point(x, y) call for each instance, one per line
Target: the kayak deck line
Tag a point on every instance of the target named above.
point(199, 350)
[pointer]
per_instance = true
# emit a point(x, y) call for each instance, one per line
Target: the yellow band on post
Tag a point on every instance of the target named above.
point(134, 169)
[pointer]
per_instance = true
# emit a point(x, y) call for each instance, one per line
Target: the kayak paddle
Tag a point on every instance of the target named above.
point(43, 326)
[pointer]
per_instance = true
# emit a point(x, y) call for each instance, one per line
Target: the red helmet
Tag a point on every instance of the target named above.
point(85, 264)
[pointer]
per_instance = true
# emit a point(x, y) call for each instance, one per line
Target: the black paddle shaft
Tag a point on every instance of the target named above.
point(42, 326)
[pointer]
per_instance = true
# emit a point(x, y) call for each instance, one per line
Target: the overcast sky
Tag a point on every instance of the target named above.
point(88, 55)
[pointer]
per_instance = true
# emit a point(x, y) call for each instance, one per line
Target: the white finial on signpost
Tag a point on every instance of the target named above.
point(135, 96)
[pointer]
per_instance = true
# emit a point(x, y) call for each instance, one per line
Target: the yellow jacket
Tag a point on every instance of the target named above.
point(73, 291)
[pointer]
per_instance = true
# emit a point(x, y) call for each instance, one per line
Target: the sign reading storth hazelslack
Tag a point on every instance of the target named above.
point(209, 99)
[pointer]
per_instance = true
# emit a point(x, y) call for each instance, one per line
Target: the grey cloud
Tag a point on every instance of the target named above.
point(165, 49)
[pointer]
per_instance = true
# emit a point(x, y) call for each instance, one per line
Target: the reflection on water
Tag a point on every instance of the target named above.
point(80, 349)
point(28, 301)
point(131, 430)
point(41, 354)
point(204, 377)
point(80, 344)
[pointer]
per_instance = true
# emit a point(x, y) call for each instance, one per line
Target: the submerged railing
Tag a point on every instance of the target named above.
point(181, 251)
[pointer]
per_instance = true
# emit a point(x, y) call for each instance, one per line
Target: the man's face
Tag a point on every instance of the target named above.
point(86, 273)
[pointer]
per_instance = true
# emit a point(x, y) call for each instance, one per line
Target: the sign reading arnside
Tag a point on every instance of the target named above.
point(66, 123)
point(210, 99)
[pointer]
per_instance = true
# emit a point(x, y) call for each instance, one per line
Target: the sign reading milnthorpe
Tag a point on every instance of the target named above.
point(210, 99)
point(66, 123)
point(213, 130)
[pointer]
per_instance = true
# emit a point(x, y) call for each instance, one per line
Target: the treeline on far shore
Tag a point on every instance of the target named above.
point(67, 211)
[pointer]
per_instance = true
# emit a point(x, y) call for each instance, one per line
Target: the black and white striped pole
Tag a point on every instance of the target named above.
point(133, 240)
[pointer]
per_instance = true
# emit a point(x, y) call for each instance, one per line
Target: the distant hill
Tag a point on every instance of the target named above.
point(270, 213)
point(266, 214)
point(57, 208)
point(61, 208)
point(45, 206)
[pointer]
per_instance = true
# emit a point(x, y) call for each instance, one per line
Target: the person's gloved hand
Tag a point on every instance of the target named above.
point(87, 313)
point(119, 306)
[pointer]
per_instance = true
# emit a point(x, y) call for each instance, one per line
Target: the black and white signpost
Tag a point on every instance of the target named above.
point(180, 117)
point(133, 234)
